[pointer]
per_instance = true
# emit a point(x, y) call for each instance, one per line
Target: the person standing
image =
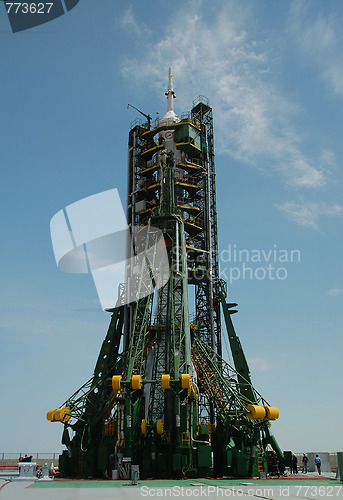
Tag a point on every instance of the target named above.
point(318, 462)
point(294, 464)
point(274, 462)
point(305, 460)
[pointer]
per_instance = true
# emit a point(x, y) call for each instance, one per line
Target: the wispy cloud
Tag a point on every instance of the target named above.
point(317, 35)
point(128, 22)
point(259, 364)
point(306, 214)
point(335, 292)
point(221, 57)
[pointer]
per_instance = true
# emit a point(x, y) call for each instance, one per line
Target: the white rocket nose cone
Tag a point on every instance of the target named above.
point(170, 116)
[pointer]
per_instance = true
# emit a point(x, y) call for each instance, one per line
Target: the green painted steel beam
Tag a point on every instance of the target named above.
point(239, 359)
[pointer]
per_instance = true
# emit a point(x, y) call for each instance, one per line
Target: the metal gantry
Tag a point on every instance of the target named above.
point(162, 397)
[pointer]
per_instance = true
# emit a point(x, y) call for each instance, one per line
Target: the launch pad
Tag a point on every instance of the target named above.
point(162, 398)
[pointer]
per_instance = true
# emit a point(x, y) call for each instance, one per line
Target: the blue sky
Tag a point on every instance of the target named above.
point(273, 73)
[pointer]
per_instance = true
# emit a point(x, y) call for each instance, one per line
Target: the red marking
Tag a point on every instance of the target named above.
point(7, 482)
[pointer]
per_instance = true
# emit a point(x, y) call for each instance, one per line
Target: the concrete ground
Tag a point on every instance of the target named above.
point(303, 487)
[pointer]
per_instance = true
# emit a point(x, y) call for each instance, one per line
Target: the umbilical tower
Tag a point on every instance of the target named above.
point(162, 397)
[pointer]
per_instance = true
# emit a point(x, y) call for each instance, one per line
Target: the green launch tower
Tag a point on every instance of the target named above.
point(162, 398)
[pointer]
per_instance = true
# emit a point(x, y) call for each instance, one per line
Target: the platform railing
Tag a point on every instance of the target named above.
point(12, 459)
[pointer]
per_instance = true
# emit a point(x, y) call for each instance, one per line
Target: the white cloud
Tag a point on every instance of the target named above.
point(335, 292)
point(299, 171)
point(220, 57)
point(306, 214)
point(317, 35)
point(128, 22)
point(259, 364)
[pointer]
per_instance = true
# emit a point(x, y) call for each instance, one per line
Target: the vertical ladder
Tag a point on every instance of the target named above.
point(259, 459)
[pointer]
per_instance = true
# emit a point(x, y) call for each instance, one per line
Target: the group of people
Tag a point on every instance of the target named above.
point(274, 462)
point(26, 458)
point(294, 464)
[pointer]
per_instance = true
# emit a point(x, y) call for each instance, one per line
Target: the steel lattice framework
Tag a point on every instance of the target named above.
point(162, 396)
